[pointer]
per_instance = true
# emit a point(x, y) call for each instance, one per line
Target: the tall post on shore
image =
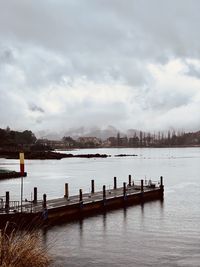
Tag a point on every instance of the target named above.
point(80, 195)
point(115, 182)
point(22, 190)
point(124, 190)
point(142, 185)
point(7, 204)
point(92, 186)
point(21, 159)
point(44, 201)
point(129, 180)
point(35, 195)
point(104, 192)
point(66, 191)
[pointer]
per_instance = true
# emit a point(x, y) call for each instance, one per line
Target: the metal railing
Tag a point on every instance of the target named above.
point(13, 206)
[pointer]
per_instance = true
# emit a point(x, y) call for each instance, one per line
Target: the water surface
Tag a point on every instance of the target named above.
point(156, 234)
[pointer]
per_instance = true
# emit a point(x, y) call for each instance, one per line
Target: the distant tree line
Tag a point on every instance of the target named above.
point(82, 142)
point(159, 139)
point(10, 137)
point(15, 140)
point(26, 140)
point(143, 139)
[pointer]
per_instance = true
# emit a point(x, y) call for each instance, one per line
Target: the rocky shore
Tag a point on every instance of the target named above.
point(42, 155)
point(126, 155)
point(11, 174)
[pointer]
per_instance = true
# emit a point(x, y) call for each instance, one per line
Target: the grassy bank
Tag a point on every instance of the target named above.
point(22, 249)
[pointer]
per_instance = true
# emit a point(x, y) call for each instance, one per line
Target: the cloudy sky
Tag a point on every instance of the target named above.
point(71, 63)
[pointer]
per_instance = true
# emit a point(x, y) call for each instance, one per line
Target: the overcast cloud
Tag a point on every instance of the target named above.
point(71, 63)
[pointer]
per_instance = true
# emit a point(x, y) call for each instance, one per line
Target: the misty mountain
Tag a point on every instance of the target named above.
point(87, 132)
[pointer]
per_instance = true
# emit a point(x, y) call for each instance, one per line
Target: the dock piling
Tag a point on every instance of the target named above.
point(161, 182)
point(80, 195)
point(35, 195)
point(115, 182)
point(124, 189)
point(161, 186)
point(142, 185)
point(7, 201)
point(129, 180)
point(66, 191)
point(92, 186)
point(104, 192)
point(44, 201)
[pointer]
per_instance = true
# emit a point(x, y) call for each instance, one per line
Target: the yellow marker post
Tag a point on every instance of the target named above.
point(21, 158)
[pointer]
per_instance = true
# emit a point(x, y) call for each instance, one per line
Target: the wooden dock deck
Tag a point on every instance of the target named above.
point(86, 198)
point(78, 206)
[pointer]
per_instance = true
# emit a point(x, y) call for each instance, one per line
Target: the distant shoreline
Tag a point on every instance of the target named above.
point(42, 155)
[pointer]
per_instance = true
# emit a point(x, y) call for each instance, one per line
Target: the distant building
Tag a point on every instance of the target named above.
point(134, 141)
point(123, 141)
point(89, 141)
point(54, 144)
point(118, 141)
point(112, 141)
point(69, 141)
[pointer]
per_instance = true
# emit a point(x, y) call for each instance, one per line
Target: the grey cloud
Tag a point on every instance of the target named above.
point(163, 101)
point(6, 55)
point(33, 107)
point(51, 44)
point(107, 36)
point(193, 71)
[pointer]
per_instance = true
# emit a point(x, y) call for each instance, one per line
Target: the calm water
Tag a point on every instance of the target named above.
point(157, 234)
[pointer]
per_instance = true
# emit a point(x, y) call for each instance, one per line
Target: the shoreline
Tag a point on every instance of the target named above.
point(42, 155)
point(45, 155)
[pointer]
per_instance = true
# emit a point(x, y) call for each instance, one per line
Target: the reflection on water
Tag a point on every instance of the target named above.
point(154, 234)
point(125, 214)
point(81, 229)
point(104, 221)
point(109, 239)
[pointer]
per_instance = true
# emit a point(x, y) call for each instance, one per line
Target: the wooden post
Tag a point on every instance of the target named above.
point(161, 181)
point(66, 191)
point(44, 201)
point(142, 185)
point(124, 190)
point(161, 187)
point(7, 204)
point(104, 192)
point(92, 186)
point(129, 180)
point(115, 182)
point(35, 195)
point(80, 195)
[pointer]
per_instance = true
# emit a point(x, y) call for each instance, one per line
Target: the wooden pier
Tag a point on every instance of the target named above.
point(78, 206)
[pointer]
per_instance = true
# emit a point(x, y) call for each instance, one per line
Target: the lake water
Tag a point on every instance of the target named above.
point(156, 234)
